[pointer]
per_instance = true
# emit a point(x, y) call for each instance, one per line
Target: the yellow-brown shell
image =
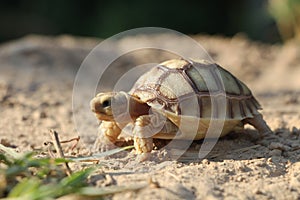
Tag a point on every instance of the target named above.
point(178, 82)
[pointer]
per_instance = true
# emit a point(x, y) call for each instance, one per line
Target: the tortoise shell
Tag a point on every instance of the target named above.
point(177, 82)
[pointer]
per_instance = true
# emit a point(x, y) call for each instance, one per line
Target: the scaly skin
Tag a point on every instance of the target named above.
point(146, 126)
point(110, 131)
point(108, 135)
point(143, 141)
point(260, 124)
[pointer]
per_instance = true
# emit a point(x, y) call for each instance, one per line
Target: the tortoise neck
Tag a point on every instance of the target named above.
point(137, 107)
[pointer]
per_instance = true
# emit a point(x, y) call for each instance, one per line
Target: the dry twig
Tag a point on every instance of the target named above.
point(55, 139)
point(71, 140)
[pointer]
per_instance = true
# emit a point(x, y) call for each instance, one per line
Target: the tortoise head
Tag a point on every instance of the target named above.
point(111, 106)
point(118, 106)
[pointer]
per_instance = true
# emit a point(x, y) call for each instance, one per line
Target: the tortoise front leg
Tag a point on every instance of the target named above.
point(146, 128)
point(259, 123)
point(109, 132)
point(143, 141)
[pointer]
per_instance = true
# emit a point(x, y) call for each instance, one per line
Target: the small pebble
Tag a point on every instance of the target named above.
point(24, 118)
point(43, 115)
point(240, 179)
point(3, 90)
point(295, 131)
point(241, 167)
point(153, 184)
point(205, 162)
point(276, 145)
point(275, 152)
point(292, 100)
point(258, 191)
point(295, 144)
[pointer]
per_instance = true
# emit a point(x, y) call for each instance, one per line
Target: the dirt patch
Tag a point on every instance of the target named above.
point(36, 83)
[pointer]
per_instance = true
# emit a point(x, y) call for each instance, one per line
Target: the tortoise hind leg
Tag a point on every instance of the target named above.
point(259, 123)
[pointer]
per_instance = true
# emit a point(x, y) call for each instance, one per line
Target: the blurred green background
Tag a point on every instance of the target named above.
point(105, 18)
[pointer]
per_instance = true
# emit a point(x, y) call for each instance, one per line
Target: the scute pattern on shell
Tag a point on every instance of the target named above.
point(175, 83)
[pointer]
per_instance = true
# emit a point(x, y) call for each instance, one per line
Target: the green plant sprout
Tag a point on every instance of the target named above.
point(25, 177)
point(287, 16)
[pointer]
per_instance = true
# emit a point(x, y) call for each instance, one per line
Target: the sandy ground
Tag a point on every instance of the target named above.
point(36, 82)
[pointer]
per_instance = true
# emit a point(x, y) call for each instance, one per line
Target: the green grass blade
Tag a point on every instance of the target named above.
point(25, 188)
point(101, 155)
point(76, 179)
point(11, 152)
point(94, 191)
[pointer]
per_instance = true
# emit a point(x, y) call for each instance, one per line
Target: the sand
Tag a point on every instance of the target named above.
point(37, 74)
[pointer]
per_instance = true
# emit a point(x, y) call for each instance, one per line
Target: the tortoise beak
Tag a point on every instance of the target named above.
point(95, 105)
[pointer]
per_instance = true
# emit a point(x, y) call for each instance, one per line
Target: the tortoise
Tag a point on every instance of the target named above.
point(154, 106)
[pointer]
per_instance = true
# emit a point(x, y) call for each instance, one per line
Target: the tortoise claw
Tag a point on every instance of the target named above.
point(143, 157)
point(101, 146)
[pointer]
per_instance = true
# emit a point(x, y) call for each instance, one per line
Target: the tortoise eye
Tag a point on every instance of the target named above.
point(105, 103)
